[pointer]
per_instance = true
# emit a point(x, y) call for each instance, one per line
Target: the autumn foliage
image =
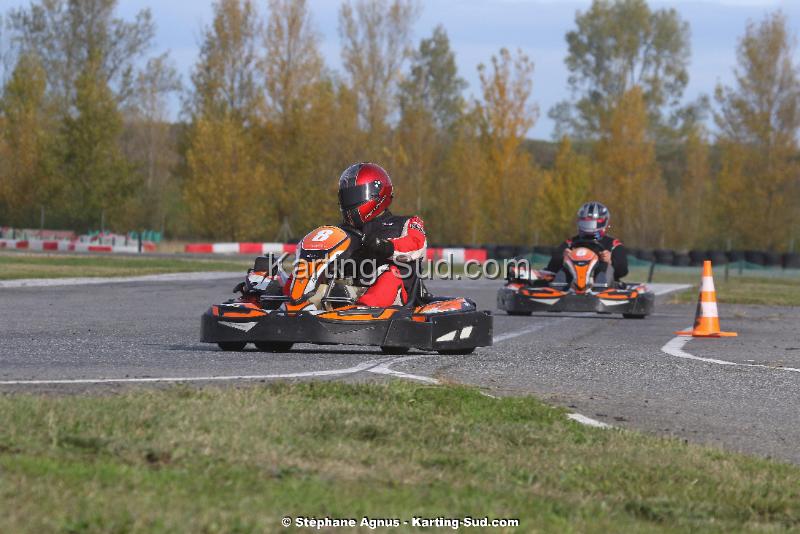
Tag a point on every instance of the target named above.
point(266, 127)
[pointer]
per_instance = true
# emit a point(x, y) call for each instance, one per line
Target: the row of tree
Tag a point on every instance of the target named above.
point(267, 127)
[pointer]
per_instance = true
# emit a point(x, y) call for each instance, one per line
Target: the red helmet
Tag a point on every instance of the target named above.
point(365, 191)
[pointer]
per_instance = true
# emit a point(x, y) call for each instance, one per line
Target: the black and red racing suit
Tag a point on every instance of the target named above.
point(408, 243)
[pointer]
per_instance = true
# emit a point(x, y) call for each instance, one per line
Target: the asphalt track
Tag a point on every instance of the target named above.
point(741, 393)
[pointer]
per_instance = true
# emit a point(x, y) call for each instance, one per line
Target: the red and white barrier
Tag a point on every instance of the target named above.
point(240, 248)
point(71, 246)
point(456, 255)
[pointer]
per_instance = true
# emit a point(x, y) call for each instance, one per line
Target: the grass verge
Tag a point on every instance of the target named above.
point(773, 290)
point(15, 265)
point(746, 290)
point(240, 459)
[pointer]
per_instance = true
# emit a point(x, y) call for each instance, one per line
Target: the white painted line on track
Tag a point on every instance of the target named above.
point(381, 367)
point(663, 289)
point(384, 369)
point(674, 347)
point(588, 421)
point(499, 338)
point(578, 418)
point(167, 277)
point(364, 366)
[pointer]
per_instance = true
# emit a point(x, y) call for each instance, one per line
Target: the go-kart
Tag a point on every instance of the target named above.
point(321, 307)
point(579, 287)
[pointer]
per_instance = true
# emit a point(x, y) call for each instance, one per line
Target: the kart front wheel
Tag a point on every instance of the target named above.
point(394, 350)
point(633, 316)
point(232, 345)
point(455, 352)
point(273, 346)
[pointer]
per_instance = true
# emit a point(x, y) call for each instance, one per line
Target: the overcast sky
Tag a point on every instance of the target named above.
point(478, 28)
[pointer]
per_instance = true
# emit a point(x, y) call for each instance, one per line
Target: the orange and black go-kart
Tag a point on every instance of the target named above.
point(320, 307)
point(580, 287)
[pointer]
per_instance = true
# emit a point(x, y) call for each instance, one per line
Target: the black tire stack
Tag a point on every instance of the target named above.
point(791, 260)
point(693, 258)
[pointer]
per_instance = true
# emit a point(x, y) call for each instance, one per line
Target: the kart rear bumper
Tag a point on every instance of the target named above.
point(512, 301)
point(453, 331)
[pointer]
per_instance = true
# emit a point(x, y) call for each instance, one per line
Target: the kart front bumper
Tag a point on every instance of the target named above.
point(512, 301)
point(454, 331)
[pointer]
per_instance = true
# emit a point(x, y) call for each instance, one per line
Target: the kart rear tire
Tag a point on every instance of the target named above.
point(633, 316)
point(233, 346)
point(274, 346)
point(395, 350)
point(518, 312)
point(456, 352)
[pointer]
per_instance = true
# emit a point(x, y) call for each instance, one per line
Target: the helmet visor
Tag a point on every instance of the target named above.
point(352, 197)
point(590, 225)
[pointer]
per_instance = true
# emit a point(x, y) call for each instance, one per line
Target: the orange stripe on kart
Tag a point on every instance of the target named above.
point(618, 296)
point(543, 293)
point(443, 306)
point(244, 315)
point(335, 315)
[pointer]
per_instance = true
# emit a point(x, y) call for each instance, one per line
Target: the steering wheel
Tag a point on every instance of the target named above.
point(592, 244)
point(355, 233)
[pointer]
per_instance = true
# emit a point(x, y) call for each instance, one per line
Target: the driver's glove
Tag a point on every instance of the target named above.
point(381, 248)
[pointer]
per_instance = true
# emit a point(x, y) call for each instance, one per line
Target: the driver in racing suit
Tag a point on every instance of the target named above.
point(390, 241)
point(365, 194)
point(593, 222)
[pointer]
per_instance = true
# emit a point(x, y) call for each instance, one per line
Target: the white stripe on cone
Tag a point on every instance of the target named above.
point(708, 284)
point(709, 309)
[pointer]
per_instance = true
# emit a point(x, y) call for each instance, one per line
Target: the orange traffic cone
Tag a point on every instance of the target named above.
point(706, 320)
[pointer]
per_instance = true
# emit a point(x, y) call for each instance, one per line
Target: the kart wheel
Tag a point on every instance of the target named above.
point(633, 316)
point(455, 352)
point(232, 345)
point(395, 350)
point(273, 346)
point(518, 312)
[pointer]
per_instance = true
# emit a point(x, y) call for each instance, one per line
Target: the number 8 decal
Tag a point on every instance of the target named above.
point(322, 235)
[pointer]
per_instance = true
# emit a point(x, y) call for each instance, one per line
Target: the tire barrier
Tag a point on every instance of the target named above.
point(71, 246)
point(664, 257)
point(772, 259)
point(791, 260)
point(717, 257)
point(459, 254)
point(504, 252)
point(754, 256)
point(681, 259)
point(696, 257)
point(735, 255)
